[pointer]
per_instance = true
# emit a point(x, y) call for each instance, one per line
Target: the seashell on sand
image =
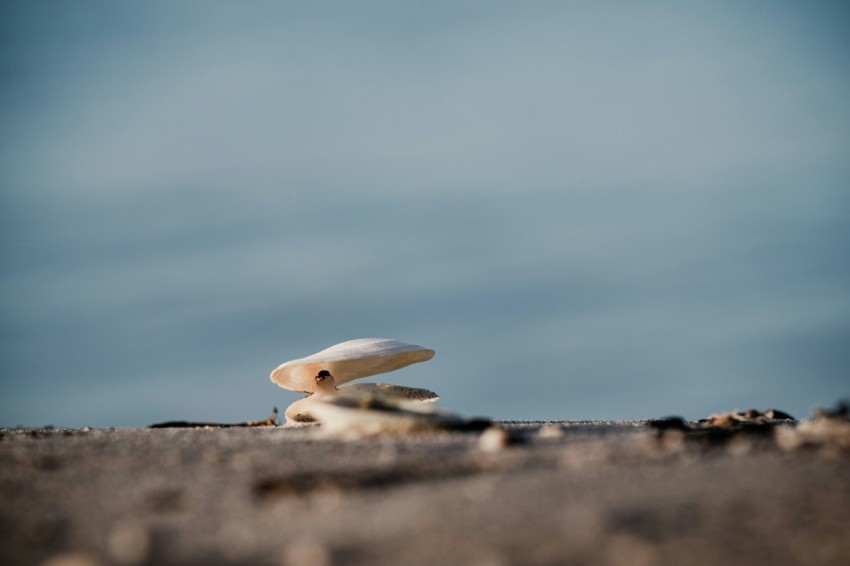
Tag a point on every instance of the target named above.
point(322, 374)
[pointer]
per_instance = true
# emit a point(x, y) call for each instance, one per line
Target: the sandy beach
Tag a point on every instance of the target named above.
point(587, 492)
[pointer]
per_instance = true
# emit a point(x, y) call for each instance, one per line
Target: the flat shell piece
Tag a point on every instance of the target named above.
point(349, 361)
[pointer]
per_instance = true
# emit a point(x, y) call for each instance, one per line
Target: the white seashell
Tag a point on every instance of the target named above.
point(348, 361)
point(366, 416)
point(298, 413)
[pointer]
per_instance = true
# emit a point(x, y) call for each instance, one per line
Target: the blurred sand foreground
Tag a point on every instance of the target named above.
point(557, 493)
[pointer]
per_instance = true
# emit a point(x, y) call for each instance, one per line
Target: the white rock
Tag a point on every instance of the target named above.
point(551, 431)
point(496, 438)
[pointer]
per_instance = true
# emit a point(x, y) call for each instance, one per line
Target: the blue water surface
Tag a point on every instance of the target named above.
point(590, 210)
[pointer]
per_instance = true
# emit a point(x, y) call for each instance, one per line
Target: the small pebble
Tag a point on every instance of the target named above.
point(551, 431)
point(496, 438)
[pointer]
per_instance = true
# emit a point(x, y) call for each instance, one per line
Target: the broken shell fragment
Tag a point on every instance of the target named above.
point(388, 391)
point(751, 416)
point(348, 361)
point(298, 413)
point(369, 416)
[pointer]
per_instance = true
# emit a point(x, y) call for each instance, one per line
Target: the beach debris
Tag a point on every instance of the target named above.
point(496, 438)
point(325, 373)
point(740, 428)
point(270, 421)
point(744, 417)
point(828, 431)
point(669, 423)
point(344, 415)
point(841, 412)
point(670, 433)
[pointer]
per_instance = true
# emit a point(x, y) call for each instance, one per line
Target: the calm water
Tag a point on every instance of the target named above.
point(589, 213)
